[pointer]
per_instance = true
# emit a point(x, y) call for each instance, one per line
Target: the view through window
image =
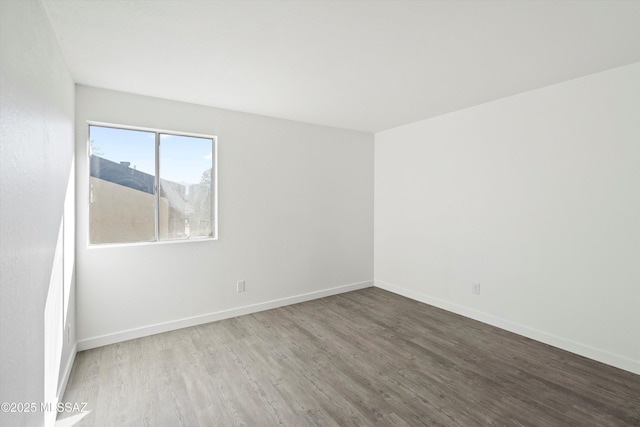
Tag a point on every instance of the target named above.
point(150, 185)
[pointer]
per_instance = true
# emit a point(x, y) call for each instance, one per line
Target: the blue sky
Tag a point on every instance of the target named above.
point(182, 158)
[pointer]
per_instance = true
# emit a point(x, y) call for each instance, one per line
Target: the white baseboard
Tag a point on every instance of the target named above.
point(67, 371)
point(103, 340)
point(526, 331)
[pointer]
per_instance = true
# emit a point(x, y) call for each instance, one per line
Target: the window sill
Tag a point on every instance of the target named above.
point(153, 243)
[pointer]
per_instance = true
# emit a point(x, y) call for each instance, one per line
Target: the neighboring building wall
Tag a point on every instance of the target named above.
point(122, 207)
point(121, 214)
point(36, 165)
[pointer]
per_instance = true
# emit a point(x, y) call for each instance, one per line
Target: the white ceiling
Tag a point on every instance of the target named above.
point(363, 65)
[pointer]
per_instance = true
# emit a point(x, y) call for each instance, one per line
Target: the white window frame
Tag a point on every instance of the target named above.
point(158, 132)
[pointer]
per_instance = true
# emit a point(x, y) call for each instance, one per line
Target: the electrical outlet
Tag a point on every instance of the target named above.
point(475, 288)
point(240, 285)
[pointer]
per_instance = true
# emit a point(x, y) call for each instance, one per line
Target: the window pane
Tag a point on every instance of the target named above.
point(122, 198)
point(186, 175)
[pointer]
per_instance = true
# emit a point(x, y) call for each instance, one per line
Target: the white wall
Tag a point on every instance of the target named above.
point(36, 151)
point(295, 218)
point(537, 198)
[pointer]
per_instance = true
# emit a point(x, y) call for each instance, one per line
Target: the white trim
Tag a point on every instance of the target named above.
point(155, 130)
point(144, 331)
point(92, 246)
point(517, 328)
point(67, 372)
point(214, 180)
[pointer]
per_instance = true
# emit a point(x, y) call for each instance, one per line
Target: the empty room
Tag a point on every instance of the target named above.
point(319, 213)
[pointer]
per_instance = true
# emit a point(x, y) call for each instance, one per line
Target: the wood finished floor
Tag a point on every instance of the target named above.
point(364, 358)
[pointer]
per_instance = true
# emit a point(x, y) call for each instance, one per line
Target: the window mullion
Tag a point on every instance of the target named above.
point(157, 189)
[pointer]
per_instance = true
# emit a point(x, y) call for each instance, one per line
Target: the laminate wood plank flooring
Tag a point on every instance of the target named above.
point(363, 358)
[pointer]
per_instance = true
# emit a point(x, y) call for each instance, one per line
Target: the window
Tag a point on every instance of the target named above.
point(149, 185)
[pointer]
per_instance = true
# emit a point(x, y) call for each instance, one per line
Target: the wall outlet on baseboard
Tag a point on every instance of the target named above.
point(240, 285)
point(475, 288)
